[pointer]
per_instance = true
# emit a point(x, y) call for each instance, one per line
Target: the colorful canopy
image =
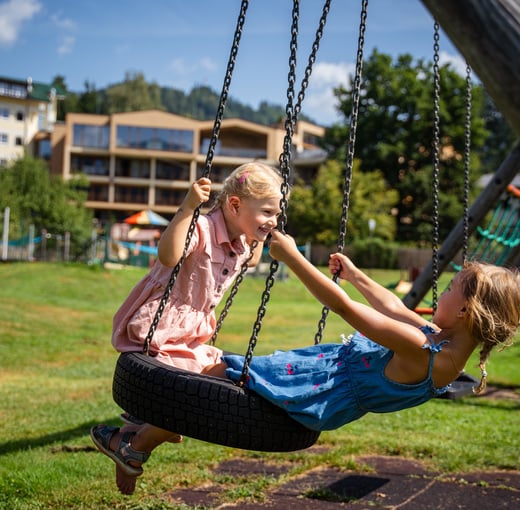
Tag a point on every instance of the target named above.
point(146, 217)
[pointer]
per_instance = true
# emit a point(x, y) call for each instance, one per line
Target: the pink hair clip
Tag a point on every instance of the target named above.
point(243, 177)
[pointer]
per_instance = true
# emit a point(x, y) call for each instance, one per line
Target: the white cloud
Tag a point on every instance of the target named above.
point(207, 64)
point(62, 22)
point(179, 66)
point(320, 103)
point(66, 45)
point(457, 62)
point(13, 14)
point(182, 68)
point(328, 74)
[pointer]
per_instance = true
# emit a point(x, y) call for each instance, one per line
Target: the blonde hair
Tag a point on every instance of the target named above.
point(250, 180)
point(492, 295)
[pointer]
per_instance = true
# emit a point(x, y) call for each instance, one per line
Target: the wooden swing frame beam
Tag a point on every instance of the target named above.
point(487, 34)
point(453, 243)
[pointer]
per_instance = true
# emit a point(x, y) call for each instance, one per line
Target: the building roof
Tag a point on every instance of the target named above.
point(38, 91)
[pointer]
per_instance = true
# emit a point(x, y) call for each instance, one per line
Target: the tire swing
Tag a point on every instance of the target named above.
point(200, 406)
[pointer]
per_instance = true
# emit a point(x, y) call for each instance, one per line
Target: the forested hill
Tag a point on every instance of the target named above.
point(134, 94)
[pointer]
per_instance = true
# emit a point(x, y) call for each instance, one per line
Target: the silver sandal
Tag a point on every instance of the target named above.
point(101, 436)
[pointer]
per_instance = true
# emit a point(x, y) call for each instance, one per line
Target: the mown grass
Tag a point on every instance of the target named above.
point(56, 366)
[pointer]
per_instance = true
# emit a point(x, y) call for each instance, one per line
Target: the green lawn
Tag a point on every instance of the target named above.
point(56, 366)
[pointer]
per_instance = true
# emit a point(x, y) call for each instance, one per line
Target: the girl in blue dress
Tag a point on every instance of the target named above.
point(396, 359)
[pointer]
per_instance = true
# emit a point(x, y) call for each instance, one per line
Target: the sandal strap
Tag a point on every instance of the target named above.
point(105, 433)
point(128, 453)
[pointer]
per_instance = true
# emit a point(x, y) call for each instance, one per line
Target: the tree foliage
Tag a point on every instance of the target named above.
point(134, 93)
point(315, 212)
point(395, 135)
point(500, 138)
point(47, 202)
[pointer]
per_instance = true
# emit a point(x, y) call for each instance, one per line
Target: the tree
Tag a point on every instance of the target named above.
point(64, 104)
point(315, 211)
point(47, 202)
point(500, 140)
point(89, 101)
point(395, 135)
point(133, 94)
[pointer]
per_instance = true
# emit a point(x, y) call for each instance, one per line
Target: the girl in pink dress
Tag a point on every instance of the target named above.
point(245, 211)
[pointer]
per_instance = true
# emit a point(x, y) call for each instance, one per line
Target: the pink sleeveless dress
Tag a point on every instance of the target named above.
point(188, 320)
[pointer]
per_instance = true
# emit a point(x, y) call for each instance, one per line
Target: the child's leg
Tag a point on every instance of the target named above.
point(216, 370)
point(129, 449)
point(148, 437)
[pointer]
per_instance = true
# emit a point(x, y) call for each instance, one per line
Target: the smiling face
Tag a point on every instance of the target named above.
point(254, 217)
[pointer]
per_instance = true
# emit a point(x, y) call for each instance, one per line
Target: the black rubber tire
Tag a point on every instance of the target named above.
point(203, 407)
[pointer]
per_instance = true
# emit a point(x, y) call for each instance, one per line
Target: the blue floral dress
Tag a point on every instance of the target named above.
point(325, 386)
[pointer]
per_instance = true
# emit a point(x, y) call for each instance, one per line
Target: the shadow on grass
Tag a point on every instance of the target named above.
point(56, 439)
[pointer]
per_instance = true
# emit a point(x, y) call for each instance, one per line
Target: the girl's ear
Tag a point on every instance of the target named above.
point(233, 204)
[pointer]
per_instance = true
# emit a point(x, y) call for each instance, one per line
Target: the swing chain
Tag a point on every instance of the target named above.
point(284, 170)
point(356, 92)
point(232, 294)
point(435, 173)
point(225, 88)
point(290, 119)
point(285, 183)
point(312, 59)
point(206, 173)
point(467, 161)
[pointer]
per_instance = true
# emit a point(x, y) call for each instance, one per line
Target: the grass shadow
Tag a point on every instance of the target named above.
point(50, 439)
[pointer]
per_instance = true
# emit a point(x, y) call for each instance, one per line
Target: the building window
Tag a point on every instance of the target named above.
point(3, 139)
point(18, 141)
point(19, 115)
point(44, 149)
point(131, 194)
point(169, 196)
point(98, 193)
point(4, 113)
point(85, 135)
point(12, 90)
point(172, 170)
point(136, 137)
point(134, 168)
point(218, 173)
point(90, 165)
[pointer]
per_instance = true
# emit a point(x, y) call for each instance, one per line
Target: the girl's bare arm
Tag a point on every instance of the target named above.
point(388, 331)
point(173, 239)
point(379, 297)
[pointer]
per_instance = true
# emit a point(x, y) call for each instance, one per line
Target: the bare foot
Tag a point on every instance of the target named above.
point(115, 444)
point(125, 483)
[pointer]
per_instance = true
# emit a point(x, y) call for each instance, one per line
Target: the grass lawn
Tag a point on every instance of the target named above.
point(56, 365)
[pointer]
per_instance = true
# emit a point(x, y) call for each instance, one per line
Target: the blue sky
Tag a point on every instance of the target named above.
point(182, 43)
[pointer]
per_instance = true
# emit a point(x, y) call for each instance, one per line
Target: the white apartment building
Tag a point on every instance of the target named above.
point(27, 113)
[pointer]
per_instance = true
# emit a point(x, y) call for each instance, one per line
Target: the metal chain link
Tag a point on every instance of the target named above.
point(284, 170)
point(206, 172)
point(291, 111)
point(435, 173)
point(232, 293)
point(225, 88)
point(467, 163)
point(312, 59)
point(356, 92)
point(285, 183)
